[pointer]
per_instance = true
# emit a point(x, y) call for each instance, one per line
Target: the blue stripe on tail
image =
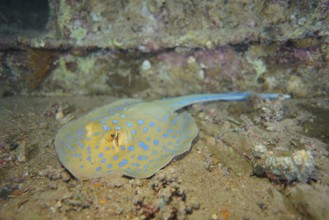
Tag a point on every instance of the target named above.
point(182, 101)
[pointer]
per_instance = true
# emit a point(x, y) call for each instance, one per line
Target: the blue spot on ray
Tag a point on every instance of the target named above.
point(105, 128)
point(143, 145)
point(122, 163)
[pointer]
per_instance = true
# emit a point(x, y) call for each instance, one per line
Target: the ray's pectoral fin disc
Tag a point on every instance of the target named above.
point(130, 137)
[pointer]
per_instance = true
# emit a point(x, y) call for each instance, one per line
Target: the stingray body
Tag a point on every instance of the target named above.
point(131, 137)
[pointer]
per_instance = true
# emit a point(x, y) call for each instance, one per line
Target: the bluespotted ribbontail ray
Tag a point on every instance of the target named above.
point(131, 137)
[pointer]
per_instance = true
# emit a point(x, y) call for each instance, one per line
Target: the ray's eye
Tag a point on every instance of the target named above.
point(110, 136)
point(113, 136)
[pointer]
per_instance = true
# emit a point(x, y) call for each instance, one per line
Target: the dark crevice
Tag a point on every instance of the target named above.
point(21, 16)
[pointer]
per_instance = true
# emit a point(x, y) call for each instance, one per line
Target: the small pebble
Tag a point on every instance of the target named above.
point(191, 60)
point(43, 125)
point(262, 205)
point(59, 115)
point(194, 202)
point(202, 74)
point(52, 185)
point(21, 152)
point(214, 217)
point(259, 150)
point(146, 65)
point(65, 176)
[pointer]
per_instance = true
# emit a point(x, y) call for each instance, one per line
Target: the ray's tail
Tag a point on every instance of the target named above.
point(182, 101)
